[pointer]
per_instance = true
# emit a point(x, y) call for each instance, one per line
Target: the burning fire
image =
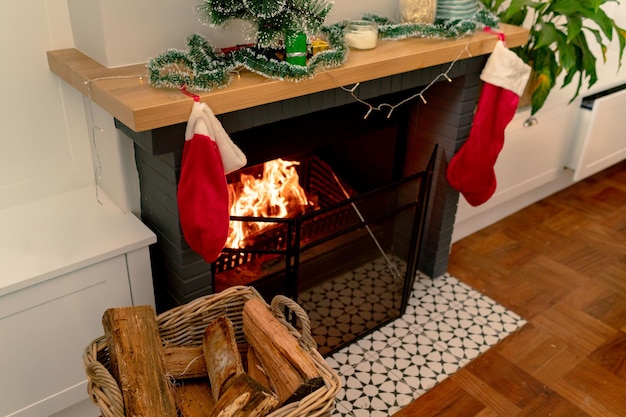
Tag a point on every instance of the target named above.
point(275, 193)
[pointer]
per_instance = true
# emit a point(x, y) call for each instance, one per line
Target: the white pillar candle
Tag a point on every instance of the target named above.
point(361, 34)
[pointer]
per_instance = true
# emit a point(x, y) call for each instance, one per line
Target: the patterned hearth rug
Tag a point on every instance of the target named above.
point(446, 325)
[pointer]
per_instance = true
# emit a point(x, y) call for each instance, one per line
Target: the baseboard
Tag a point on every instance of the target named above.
point(84, 408)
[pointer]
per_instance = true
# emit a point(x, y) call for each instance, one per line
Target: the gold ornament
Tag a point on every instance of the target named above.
point(418, 11)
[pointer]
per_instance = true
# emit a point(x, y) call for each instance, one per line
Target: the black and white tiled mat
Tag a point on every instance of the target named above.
point(446, 325)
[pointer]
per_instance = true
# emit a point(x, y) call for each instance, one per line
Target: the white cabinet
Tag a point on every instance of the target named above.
point(44, 329)
point(533, 155)
point(64, 261)
point(600, 139)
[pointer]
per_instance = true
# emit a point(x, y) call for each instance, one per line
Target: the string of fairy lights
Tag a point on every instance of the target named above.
point(95, 128)
point(420, 94)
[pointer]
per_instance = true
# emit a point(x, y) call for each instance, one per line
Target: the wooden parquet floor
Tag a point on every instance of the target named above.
point(560, 264)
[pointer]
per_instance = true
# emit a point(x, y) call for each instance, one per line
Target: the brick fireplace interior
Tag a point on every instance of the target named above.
point(366, 153)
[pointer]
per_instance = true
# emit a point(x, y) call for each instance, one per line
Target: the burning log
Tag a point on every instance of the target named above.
point(274, 192)
point(137, 361)
point(292, 373)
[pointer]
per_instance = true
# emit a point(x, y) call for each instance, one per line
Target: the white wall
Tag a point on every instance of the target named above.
point(123, 32)
point(43, 145)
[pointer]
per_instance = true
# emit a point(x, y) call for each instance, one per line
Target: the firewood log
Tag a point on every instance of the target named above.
point(194, 399)
point(221, 355)
point(137, 361)
point(244, 397)
point(185, 362)
point(291, 371)
point(255, 369)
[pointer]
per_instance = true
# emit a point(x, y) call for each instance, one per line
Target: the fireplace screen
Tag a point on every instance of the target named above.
point(348, 259)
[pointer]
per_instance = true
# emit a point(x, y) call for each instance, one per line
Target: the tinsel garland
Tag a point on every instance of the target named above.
point(201, 68)
point(440, 29)
point(204, 68)
point(333, 57)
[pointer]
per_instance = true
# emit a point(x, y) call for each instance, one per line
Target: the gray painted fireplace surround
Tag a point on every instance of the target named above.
point(181, 275)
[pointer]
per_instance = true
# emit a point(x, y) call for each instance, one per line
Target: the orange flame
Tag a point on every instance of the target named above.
point(272, 195)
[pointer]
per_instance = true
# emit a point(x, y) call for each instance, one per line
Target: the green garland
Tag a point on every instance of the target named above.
point(333, 57)
point(440, 29)
point(204, 68)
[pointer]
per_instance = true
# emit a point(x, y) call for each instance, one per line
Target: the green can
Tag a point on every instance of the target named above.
point(295, 48)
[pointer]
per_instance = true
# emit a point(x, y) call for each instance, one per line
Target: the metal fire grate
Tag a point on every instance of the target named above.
point(322, 185)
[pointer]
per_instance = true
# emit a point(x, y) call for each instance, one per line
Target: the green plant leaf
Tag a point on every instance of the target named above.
point(574, 26)
point(547, 69)
point(577, 69)
point(602, 20)
point(588, 59)
point(600, 41)
point(605, 23)
point(541, 92)
point(593, 4)
point(493, 5)
point(557, 41)
point(515, 8)
point(569, 76)
point(587, 66)
point(548, 34)
point(499, 4)
point(578, 87)
point(571, 8)
point(566, 52)
point(516, 19)
point(621, 35)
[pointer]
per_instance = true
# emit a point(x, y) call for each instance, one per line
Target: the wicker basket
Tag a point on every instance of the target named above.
point(185, 325)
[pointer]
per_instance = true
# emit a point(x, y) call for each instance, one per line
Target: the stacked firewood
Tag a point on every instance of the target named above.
point(212, 379)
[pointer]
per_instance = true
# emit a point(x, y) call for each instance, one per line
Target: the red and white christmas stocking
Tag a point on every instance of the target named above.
point(471, 169)
point(202, 193)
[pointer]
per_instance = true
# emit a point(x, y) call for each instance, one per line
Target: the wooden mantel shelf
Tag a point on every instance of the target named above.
point(125, 94)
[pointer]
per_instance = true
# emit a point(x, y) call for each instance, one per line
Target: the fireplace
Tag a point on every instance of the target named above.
point(253, 109)
point(365, 153)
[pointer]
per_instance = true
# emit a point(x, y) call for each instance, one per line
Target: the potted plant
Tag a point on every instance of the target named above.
point(558, 42)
